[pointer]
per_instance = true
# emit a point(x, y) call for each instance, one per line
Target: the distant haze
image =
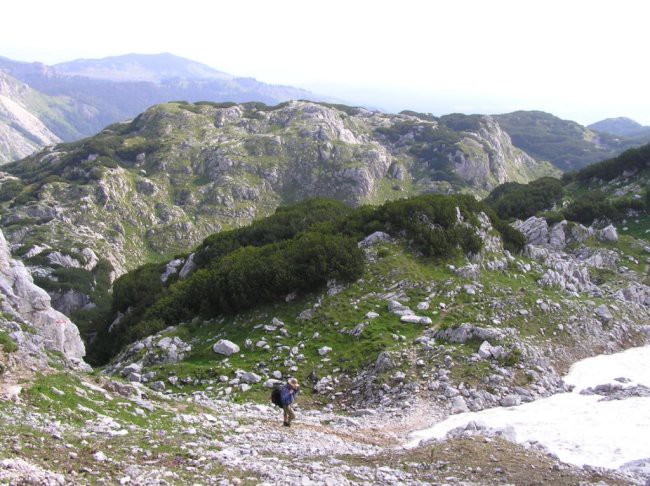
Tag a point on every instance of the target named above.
point(581, 60)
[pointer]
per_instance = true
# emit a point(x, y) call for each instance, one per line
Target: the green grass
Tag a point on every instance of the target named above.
point(640, 230)
point(8, 344)
point(335, 315)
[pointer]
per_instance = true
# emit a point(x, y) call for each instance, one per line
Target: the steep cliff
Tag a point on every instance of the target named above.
point(22, 132)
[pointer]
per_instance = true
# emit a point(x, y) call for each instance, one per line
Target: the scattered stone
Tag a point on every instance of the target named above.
point(99, 456)
point(324, 350)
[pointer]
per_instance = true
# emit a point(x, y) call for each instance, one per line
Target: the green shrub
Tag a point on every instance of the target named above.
point(10, 189)
point(515, 200)
point(636, 159)
point(590, 207)
point(553, 217)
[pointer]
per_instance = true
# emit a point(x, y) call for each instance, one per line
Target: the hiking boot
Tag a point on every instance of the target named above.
point(286, 424)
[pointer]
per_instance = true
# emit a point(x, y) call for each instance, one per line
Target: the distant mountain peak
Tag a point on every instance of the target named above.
point(621, 126)
point(141, 67)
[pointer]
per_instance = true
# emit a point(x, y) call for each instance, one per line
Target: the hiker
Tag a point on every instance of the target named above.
point(287, 394)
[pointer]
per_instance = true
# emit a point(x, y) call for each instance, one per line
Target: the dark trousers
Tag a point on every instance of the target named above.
point(288, 414)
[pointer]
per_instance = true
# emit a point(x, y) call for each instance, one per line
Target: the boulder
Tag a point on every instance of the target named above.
point(485, 350)
point(170, 269)
point(470, 271)
point(374, 238)
point(458, 405)
point(225, 347)
point(603, 313)
point(324, 350)
point(608, 234)
point(510, 401)
point(465, 332)
point(249, 377)
point(413, 319)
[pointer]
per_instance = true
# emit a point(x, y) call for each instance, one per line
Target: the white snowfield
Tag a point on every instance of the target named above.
point(579, 429)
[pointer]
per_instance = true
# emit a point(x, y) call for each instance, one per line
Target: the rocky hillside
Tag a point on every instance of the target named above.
point(411, 341)
point(146, 189)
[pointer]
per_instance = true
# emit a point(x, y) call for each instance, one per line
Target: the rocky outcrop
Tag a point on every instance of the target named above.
point(32, 304)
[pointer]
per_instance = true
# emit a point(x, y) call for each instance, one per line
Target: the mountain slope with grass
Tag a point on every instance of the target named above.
point(392, 317)
point(144, 190)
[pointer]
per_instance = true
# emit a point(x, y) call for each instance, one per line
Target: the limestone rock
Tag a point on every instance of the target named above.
point(458, 405)
point(413, 319)
point(608, 234)
point(465, 332)
point(188, 267)
point(225, 347)
point(324, 350)
point(603, 313)
point(374, 238)
point(22, 296)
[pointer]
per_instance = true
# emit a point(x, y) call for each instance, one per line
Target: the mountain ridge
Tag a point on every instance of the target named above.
point(140, 67)
point(143, 190)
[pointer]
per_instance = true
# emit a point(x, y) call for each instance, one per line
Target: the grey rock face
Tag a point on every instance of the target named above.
point(637, 293)
point(171, 269)
point(32, 303)
point(70, 301)
point(535, 230)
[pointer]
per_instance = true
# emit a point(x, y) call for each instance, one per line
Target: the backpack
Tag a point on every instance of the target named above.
point(276, 397)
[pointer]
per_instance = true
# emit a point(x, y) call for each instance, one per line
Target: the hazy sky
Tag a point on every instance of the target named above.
point(581, 60)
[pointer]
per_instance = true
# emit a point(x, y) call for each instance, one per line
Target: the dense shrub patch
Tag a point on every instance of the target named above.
point(515, 200)
point(631, 160)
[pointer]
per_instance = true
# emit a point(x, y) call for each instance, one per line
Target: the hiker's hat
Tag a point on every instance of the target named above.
point(293, 383)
